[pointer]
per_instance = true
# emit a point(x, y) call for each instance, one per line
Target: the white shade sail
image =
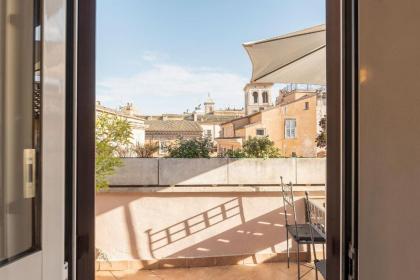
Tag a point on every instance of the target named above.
point(297, 57)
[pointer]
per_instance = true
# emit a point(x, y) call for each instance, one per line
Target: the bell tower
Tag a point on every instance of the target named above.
point(209, 105)
point(257, 97)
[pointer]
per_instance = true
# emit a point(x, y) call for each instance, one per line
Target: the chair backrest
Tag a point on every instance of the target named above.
point(316, 218)
point(288, 201)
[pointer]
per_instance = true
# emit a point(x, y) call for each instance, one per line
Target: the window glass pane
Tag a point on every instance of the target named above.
point(290, 128)
point(20, 119)
point(260, 132)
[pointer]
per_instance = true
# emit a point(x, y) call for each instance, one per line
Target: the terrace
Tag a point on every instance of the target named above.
point(245, 272)
point(198, 218)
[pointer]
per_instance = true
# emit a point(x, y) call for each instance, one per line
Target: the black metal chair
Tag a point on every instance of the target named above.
point(316, 218)
point(301, 233)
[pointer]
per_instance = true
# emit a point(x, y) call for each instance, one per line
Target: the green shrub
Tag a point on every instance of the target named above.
point(321, 139)
point(260, 147)
point(255, 147)
point(234, 154)
point(191, 148)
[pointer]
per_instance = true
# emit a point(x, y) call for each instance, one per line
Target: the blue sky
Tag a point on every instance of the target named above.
point(166, 55)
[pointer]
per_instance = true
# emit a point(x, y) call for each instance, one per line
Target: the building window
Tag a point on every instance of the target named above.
point(260, 131)
point(306, 105)
point(290, 129)
point(255, 95)
point(208, 133)
point(265, 97)
point(163, 147)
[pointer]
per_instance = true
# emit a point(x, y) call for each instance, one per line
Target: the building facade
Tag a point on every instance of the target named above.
point(293, 125)
point(166, 132)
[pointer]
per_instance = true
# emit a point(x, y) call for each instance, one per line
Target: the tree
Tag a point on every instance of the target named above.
point(260, 147)
point(321, 139)
point(147, 150)
point(255, 147)
point(191, 148)
point(112, 133)
point(238, 153)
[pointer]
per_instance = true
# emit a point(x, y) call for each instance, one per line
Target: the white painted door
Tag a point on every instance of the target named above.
point(32, 143)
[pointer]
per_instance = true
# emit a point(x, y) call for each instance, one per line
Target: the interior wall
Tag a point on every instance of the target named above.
point(389, 189)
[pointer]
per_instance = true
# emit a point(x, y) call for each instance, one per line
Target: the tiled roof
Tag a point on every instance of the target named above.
point(173, 126)
point(106, 110)
point(208, 118)
point(244, 117)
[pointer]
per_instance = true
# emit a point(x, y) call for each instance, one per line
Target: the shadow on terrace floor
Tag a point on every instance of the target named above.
point(264, 232)
point(200, 222)
point(270, 271)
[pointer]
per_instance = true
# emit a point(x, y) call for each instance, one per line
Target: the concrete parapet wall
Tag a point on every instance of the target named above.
point(200, 171)
point(136, 171)
point(218, 171)
point(261, 171)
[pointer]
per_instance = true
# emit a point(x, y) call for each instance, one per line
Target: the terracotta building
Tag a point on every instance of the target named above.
point(293, 124)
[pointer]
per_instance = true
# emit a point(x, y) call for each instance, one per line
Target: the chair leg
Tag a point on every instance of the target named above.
point(315, 259)
point(298, 260)
point(288, 253)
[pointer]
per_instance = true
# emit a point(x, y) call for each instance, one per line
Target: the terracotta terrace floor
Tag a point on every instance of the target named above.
point(270, 271)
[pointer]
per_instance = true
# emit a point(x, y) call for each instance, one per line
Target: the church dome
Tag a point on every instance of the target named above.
point(209, 100)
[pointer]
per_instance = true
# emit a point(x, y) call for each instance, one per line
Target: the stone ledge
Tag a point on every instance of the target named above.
point(197, 262)
point(212, 189)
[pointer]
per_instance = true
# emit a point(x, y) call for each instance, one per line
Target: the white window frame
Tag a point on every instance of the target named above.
point(290, 132)
point(258, 135)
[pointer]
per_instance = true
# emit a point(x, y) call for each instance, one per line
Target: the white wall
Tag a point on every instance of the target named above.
point(215, 130)
point(138, 135)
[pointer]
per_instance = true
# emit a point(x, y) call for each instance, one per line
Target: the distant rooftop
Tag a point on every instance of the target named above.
point(103, 109)
point(172, 126)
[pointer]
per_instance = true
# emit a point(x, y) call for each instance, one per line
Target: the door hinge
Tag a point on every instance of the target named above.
point(66, 271)
point(352, 258)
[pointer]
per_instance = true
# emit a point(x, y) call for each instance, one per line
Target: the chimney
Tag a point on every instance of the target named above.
point(194, 116)
point(128, 109)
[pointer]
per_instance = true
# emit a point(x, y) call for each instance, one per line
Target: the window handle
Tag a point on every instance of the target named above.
point(29, 173)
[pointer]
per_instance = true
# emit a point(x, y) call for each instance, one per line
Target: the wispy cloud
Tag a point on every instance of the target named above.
point(151, 56)
point(176, 84)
